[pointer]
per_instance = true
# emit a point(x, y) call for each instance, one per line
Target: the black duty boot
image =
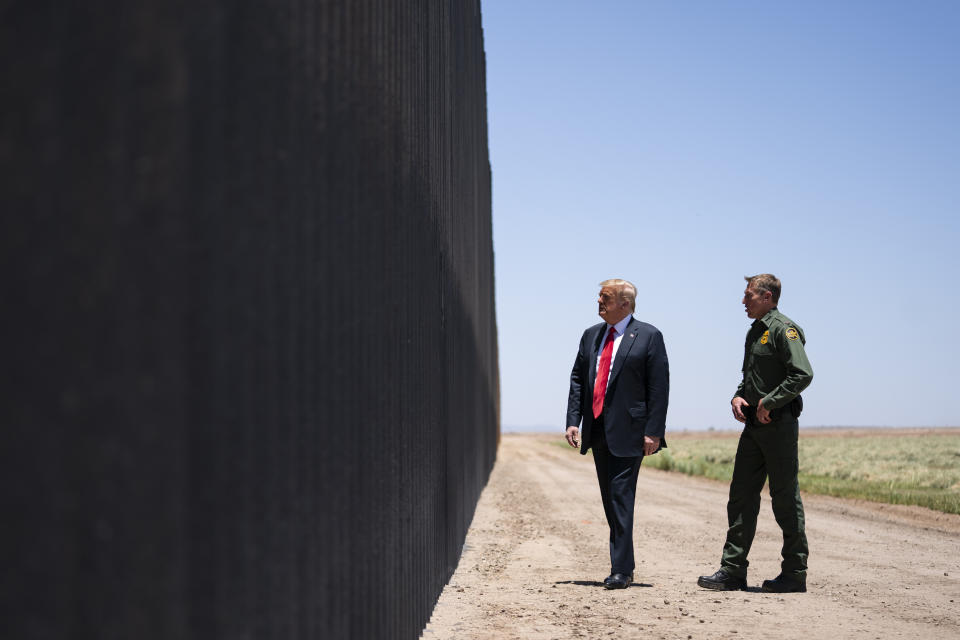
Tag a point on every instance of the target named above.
point(722, 581)
point(785, 584)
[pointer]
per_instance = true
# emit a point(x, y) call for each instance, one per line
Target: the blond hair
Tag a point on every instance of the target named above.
point(624, 290)
point(765, 282)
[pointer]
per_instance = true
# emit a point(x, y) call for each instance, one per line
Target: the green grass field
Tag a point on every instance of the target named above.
point(918, 467)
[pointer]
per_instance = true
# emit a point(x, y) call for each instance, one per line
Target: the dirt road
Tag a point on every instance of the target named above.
point(536, 553)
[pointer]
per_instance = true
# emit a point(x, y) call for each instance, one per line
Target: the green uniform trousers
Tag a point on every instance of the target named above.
point(766, 450)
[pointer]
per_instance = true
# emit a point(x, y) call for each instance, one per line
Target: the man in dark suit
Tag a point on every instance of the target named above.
point(619, 388)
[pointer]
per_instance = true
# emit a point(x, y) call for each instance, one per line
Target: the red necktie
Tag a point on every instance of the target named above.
point(603, 374)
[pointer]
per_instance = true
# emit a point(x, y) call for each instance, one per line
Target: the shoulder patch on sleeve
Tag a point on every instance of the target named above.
point(792, 334)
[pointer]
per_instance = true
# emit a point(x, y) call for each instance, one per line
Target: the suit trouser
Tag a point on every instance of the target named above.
point(618, 488)
point(766, 450)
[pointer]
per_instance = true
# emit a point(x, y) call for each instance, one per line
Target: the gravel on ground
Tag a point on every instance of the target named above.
point(536, 553)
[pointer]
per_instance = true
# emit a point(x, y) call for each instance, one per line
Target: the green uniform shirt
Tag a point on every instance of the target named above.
point(775, 365)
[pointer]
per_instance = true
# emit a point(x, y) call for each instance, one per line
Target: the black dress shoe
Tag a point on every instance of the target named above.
point(618, 581)
point(722, 581)
point(785, 584)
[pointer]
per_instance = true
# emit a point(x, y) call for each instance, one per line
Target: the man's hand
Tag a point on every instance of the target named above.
point(763, 415)
point(573, 437)
point(650, 445)
point(738, 404)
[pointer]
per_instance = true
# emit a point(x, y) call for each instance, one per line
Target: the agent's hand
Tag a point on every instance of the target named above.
point(763, 416)
point(650, 445)
point(573, 437)
point(738, 404)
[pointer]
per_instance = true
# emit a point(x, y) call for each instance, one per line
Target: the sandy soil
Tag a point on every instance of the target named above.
point(536, 552)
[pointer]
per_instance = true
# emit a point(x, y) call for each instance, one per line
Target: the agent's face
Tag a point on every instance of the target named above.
point(757, 302)
point(610, 307)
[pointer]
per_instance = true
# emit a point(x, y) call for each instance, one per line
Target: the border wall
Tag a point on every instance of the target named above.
point(250, 377)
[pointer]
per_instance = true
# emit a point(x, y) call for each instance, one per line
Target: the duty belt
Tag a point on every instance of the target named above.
point(794, 408)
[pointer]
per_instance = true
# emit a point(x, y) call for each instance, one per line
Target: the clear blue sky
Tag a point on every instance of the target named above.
point(683, 145)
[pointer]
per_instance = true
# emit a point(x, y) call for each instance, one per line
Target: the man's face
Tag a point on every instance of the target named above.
point(757, 302)
point(610, 307)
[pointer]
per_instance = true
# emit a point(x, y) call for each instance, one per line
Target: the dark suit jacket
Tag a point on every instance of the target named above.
point(637, 390)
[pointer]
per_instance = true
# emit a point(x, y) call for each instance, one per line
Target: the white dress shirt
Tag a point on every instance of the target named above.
point(620, 327)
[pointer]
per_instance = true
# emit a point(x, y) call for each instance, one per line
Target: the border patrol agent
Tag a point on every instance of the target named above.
point(768, 402)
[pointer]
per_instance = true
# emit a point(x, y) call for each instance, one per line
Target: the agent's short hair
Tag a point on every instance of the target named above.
point(765, 282)
point(624, 290)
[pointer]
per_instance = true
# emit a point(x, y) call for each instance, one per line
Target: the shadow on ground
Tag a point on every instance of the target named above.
point(594, 583)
